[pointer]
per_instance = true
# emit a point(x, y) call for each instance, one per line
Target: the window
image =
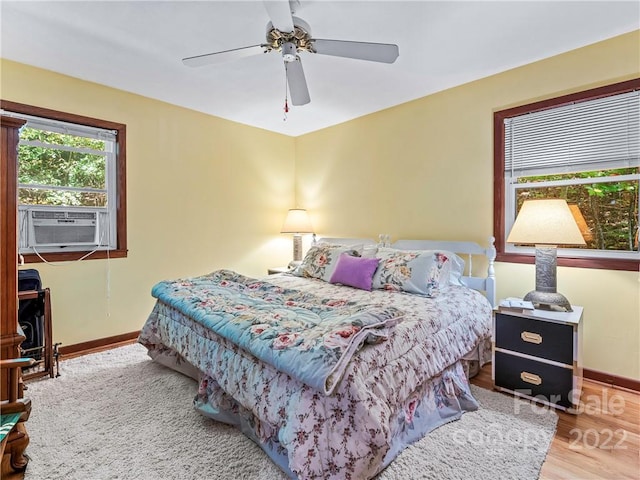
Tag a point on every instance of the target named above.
point(71, 185)
point(585, 148)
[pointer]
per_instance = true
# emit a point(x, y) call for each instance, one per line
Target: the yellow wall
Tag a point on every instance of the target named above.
point(202, 193)
point(425, 170)
point(420, 170)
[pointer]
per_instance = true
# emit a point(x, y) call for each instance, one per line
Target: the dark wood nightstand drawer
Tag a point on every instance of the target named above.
point(551, 383)
point(547, 340)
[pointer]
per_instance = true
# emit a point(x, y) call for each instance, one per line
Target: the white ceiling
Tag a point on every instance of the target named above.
point(137, 46)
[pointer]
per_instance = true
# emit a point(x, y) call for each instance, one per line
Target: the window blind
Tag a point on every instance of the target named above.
point(596, 134)
point(67, 128)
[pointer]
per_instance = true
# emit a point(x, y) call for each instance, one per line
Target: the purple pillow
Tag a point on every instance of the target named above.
point(355, 271)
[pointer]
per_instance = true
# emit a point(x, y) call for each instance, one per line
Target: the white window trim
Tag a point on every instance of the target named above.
point(626, 147)
point(107, 216)
point(512, 186)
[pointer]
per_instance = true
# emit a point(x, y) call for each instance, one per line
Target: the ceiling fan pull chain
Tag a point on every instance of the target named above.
point(286, 97)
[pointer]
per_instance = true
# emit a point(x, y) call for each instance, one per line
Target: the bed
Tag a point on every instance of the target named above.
point(335, 368)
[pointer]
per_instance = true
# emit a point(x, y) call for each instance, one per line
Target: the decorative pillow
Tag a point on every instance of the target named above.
point(321, 260)
point(411, 271)
point(355, 271)
point(357, 247)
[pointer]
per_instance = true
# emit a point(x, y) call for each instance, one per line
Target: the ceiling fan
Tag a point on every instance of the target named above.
point(291, 35)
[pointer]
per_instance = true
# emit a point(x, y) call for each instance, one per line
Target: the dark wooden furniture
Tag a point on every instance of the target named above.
point(537, 355)
point(15, 411)
point(48, 352)
point(10, 336)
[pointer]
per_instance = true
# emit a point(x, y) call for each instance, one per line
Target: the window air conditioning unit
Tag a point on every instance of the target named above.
point(62, 228)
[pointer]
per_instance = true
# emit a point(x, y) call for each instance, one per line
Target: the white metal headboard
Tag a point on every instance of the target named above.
point(344, 241)
point(466, 250)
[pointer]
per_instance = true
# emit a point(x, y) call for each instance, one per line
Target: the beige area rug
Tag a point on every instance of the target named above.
point(118, 415)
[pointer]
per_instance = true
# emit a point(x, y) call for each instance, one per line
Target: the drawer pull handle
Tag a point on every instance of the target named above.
point(531, 378)
point(531, 337)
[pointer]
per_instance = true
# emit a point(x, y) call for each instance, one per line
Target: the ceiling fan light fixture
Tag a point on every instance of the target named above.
point(289, 51)
point(300, 37)
point(290, 36)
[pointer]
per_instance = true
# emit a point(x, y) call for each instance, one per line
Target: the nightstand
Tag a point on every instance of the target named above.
point(537, 354)
point(274, 270)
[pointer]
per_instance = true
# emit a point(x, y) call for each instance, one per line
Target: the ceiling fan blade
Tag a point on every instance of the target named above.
point(222, 57)
point(280, 14)
point(375, 52)
point(297, 83)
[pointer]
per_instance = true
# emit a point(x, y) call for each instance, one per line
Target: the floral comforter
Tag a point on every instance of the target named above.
point(392, 392)
point(310, 338)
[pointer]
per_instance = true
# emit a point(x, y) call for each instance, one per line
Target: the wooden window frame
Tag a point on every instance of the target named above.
point(498, 178)
point(121, 173)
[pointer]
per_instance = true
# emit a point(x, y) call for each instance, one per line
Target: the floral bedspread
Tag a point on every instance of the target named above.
point(391, 394)
point(309, 337)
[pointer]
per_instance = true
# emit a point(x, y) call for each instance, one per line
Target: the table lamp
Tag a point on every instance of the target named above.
point(546, 224)
point(297, 222)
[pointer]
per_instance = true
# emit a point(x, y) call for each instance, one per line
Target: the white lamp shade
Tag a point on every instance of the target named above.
point(297, 221)
point(545, 222)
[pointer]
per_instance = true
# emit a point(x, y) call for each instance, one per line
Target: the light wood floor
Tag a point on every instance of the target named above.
point(602, 442)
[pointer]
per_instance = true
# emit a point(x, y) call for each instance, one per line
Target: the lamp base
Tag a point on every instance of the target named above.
point(297, 247)
point(549, 301)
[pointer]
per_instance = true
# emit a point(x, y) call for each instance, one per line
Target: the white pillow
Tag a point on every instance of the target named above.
point(452, 270)
point(369, 251)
